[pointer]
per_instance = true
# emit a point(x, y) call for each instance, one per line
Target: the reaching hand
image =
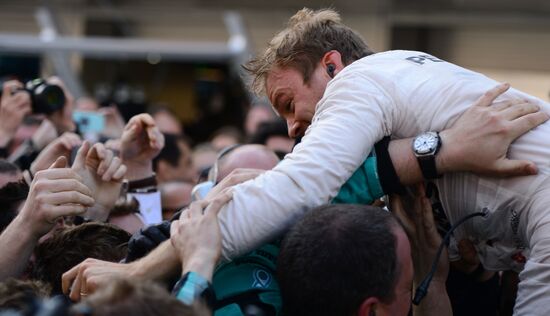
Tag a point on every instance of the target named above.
point(236, 176)
point(196, 235)
point(61, 146)
point(480, 138)
point(13, 108)
point(418, 222)
point(102, 172)
point(141, 142)
point(84, 278)
point(55, 192)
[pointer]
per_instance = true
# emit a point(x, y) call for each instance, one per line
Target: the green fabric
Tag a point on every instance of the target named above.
point(254, 272)
point(363, 187)
point(229, 310)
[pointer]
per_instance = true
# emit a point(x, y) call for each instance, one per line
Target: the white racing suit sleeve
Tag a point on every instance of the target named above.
point(353, 114)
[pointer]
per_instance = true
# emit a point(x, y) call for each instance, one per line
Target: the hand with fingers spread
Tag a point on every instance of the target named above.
point(492, 126)
point(141, 141)
point(61, 146)
point(196, 235)
point(102, 172)
point(14, 106)
point(55, 192)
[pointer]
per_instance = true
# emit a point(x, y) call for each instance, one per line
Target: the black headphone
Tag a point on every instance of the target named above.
point(330, 70)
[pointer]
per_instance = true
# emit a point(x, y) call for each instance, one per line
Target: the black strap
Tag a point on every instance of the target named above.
point(428, 168)
point(389, 180)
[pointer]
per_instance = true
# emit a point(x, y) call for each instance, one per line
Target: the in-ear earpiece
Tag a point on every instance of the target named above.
point(330, 70)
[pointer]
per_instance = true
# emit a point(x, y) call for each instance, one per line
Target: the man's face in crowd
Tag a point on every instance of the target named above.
point(293, 99)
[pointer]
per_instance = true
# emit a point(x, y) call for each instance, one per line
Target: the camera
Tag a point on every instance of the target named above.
point(45, 98)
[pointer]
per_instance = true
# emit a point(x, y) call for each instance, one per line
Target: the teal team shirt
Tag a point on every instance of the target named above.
point(254, 274)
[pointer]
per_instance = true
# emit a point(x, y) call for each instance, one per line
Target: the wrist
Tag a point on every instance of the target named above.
point(201, 264)
point(136, 170)
point(26, 231)
point(5, 138)
point(137, 272)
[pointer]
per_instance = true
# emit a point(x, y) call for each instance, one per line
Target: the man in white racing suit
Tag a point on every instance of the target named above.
point(345, 104)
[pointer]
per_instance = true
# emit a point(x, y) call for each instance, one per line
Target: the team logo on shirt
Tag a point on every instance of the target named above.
point(262, 278)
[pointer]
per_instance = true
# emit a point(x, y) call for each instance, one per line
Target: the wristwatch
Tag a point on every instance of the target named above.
point(193, 286)
point(425, 147)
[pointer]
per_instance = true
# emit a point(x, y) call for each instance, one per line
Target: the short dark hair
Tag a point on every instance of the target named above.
point(20, 295)
point(71, 245)
point(336, 257)
point(11, 195)
point(269, 129)
point(171, 152)
point(7, 167)
point(125, 297)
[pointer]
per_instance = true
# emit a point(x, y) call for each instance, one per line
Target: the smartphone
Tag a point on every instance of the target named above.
point(89, 122)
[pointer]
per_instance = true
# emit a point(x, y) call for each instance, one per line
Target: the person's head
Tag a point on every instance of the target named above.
point(244, 156)
point(174, 196)
point(273, 134)
point(9, 172)
point(71, 245)
point(346, 260)
point(167, 121)
point(20, 296)
point(125, 215)
point(175, 162)
point(125, 297)
point(86, 104)
point(225, 137)
point(255, 116)
point(299, 61)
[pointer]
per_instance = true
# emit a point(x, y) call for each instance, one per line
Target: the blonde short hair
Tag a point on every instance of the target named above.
point(308, 36)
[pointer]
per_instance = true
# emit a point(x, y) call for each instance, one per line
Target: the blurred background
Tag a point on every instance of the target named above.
point(185, 55)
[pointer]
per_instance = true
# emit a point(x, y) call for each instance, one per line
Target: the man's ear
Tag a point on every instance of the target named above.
point(368, 307)
point(332, 61)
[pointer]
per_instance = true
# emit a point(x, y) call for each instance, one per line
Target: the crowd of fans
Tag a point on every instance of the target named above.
point(125, 222)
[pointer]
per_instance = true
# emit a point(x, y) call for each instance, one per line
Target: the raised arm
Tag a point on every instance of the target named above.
point(54, 193)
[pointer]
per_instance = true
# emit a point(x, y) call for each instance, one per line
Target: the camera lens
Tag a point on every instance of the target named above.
point(46, 98)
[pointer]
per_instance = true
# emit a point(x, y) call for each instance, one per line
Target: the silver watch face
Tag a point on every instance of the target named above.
point(425, 143)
